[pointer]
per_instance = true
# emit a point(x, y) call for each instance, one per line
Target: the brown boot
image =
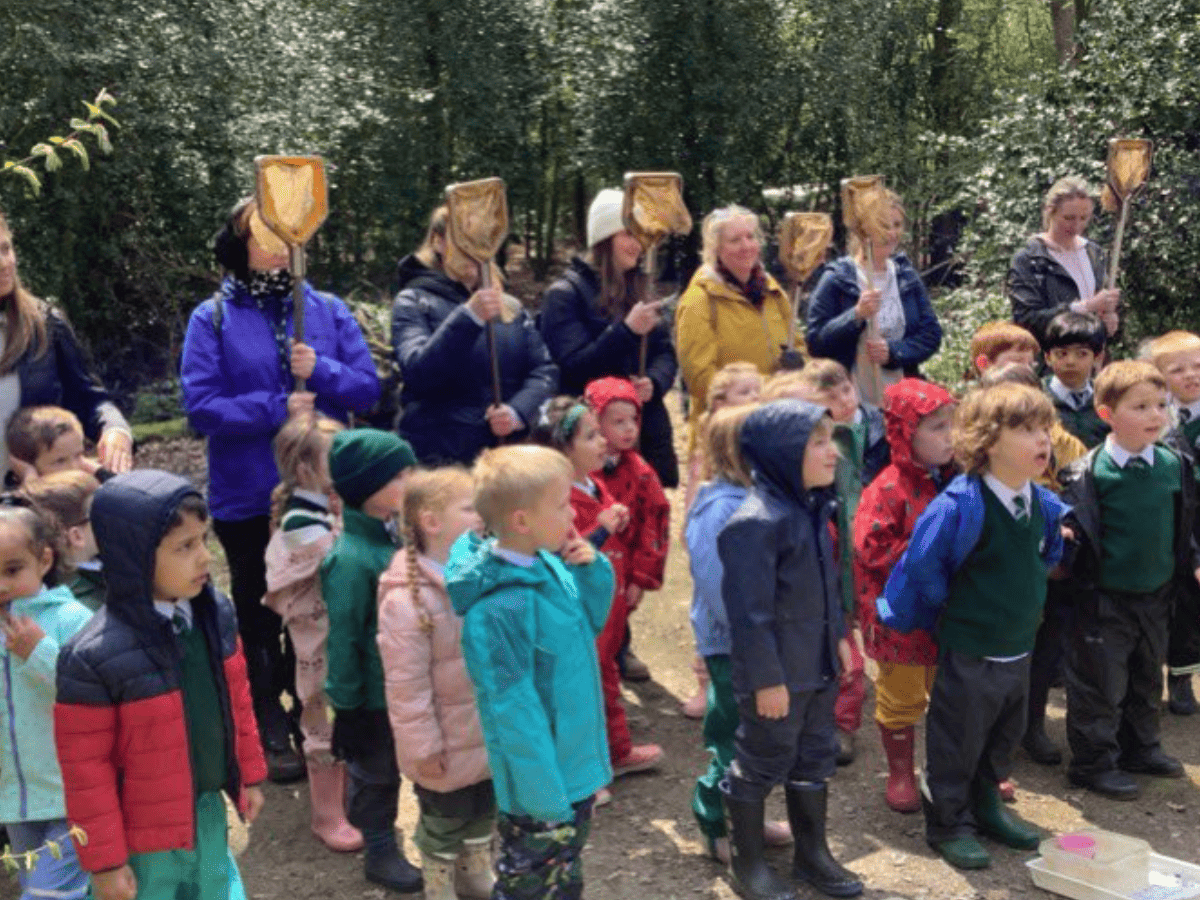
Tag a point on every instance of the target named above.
point(901, 792)
point(327, 789)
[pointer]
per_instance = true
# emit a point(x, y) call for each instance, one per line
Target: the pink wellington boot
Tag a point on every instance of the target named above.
point(695, 707)
point(327, 789)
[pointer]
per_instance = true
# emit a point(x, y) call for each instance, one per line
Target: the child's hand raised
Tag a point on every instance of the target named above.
point(772, 702)
point(576, 551)
point(21, 635)
point(633, 596)
point(614, 517)
point(115, 884)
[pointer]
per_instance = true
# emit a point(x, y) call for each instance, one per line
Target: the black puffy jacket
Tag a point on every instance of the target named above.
point(587, 345)
point(443, 357)
point(781, 583)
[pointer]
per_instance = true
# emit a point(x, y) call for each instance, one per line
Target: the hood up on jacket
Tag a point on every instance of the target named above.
point(773, 439)
point(412, 273)
point(473, 571)
point(130, 515)
point(905, 404)
point(603, 392)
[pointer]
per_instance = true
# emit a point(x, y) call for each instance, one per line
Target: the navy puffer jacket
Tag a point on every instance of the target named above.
point(443, 356)
point(781, 586)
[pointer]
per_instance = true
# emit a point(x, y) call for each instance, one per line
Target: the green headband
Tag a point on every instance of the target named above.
point(565, 429)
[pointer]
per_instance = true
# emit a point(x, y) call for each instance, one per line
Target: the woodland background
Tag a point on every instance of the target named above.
point(971, 108)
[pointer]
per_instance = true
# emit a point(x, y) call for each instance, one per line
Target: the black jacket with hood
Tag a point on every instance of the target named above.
point(442, 354)
point(780, 585)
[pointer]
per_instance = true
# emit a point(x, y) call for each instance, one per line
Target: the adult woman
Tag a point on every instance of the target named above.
point(732, 311)
point(240, 359)
point(842, 304)
point(439, 341)
point(593, 323)
point(1060, 269)
point(41, 364)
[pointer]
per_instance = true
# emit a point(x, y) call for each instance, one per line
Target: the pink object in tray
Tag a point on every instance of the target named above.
point(1079, 844)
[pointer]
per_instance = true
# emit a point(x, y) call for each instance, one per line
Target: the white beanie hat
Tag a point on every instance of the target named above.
point(604, 216)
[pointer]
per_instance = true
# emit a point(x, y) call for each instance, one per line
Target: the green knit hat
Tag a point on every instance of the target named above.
point(362, 460)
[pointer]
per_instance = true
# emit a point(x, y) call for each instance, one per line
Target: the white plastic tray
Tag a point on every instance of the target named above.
point(1169, 879)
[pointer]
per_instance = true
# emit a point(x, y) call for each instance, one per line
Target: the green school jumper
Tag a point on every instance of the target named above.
point(207, 871)
point(995, 602)
point(1137, 516)
point(851, 442)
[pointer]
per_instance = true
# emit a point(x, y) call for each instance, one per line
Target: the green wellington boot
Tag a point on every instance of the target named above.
point(995, 820)
point(963, 853)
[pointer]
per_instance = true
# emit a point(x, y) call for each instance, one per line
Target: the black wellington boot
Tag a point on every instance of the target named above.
point(284, 764)
point(753, 879)
point(807, 805)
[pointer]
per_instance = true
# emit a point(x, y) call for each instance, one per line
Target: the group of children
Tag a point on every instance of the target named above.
point(984, 542)
point(466, 628)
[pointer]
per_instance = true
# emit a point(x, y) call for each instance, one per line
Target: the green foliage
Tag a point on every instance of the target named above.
point(960, 103)
point(1136, 68)
point(48, 152)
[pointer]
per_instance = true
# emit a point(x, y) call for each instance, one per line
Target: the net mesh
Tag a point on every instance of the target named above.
point(654, 207)
point(864, 203)
point(1128, 166)
point(291, 195)
point(803, 240)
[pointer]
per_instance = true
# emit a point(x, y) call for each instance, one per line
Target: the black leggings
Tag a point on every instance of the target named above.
point(269, 657)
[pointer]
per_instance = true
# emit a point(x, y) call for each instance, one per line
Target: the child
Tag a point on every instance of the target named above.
point(571, 428)
point(1177, 356)
point(1050, 646)
point(975, 571)
point(1133, 504)
point(38, 616)
point(68, 497)
point(431, 705)
point(632, 483)
point(783, 600)
point(716, 501)
point(919, 416)
point(533, 600)
point(48, 439)
point(734, 384)
point(1001, 342)
point(153, 719)
point(1074, 341)
point(858, 431)
point(303, 531)
point(368, 469)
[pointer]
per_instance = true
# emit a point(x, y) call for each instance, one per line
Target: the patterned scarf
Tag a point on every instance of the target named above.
point(754, 290)
point(271, 292)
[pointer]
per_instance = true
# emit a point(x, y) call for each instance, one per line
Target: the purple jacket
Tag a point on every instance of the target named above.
point(235, 387)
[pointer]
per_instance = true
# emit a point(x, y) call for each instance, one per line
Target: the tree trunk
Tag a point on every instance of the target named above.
point(1062, 17)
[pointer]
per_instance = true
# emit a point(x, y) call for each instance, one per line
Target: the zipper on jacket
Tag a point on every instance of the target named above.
point(12, 733)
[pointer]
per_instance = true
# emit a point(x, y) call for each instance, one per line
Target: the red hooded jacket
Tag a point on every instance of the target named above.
point(633, 482)
point(886, 515)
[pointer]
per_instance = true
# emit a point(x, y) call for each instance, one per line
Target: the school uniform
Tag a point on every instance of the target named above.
point(1132, 515)
point(975, 573)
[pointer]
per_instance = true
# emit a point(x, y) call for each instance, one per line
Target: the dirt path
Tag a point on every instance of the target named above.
point(644, 846)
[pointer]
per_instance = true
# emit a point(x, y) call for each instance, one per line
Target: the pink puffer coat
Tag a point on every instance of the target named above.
point(430, 699)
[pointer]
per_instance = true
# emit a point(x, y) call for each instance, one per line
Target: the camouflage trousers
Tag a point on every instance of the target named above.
point(540, 860)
